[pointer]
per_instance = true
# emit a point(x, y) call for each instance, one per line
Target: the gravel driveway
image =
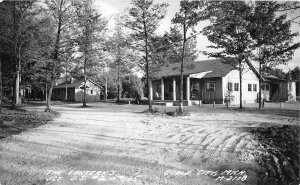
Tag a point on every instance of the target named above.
point(119, 144)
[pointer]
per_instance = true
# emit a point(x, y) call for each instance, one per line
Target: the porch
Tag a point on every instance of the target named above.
point(165, 91)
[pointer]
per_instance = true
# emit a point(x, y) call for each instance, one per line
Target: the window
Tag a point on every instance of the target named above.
point(210, 86)
point(236, 86)
point(254, 87)
point(249, 87)
point(91, 91)
point(229, 86)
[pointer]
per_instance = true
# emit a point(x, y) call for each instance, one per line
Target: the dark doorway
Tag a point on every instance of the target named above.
point(275, 92)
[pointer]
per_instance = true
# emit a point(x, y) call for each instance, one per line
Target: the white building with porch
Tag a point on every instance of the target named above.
point(207, 80)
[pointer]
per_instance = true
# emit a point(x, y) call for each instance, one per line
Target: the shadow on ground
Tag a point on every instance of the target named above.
point(278, 154)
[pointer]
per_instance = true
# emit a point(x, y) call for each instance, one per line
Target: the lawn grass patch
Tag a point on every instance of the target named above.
point(14, 121)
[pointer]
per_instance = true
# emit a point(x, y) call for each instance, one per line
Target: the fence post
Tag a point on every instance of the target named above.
point(200, 103)
point(214, 104)
point(281, 105)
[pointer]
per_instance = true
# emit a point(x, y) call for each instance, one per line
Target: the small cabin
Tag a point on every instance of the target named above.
point(73, 89)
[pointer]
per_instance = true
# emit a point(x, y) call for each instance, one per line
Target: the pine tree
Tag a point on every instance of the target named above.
point(143, 19)
point(89, 34)
point(123, 56)
point(188, 16)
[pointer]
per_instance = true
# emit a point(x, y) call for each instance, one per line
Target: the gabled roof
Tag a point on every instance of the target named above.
point(215, 68)
point(76, 83)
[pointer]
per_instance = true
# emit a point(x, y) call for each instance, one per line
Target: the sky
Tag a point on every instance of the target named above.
point(109, 8)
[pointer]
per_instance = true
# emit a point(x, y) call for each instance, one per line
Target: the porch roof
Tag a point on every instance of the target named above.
point(214, 68)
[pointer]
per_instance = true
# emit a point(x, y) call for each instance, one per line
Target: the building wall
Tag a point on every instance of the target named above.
point(59, 94)
point(92, 93)
point(291, 91)
point(248, 78)
point(265, 91)
point(211, 96)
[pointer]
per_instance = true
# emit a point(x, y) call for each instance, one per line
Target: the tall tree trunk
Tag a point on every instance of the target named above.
point(17, 82)
point(241, 85)
point(66, 95)
point(118, 95)
point(147, 66)
point(105, 88)
point(14, 99)
point(84, 90)
point(259, 86)
point(0, 85)
point(55, 60)
point(46, 92)
point(181, 70)
point(49, 95)
point(17, 88)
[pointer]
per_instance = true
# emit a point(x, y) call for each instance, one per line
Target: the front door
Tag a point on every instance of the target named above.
point(210, 92)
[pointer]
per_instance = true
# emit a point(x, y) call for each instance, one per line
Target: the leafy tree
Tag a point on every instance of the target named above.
point(274, 71)
point(0, 82)
point(241, 29)
point(228, 32)
point(167, 49)
point(16, 17)
point(23, 32)
point(272, 35)
point(36, 56)
point(61, 12)
point(89, 30)
point(187, 17)
point(123, 56)
point(143, 19)
point(295, 73)
point(132, 87)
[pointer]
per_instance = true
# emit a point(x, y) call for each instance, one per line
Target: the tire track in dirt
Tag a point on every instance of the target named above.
point(218, 144)
point(197, 142)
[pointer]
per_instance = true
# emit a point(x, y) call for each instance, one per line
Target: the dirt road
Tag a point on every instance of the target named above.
point(119, 144)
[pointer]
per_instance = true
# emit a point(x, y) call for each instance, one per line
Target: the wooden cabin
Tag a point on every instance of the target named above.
point(72, 90)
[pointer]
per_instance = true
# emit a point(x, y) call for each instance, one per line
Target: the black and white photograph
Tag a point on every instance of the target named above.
point(149, 92)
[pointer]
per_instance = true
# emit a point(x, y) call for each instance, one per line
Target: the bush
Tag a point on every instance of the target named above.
point(228, 98)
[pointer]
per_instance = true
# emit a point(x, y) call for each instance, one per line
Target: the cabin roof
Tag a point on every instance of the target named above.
point(76, 83)
point(215, 68)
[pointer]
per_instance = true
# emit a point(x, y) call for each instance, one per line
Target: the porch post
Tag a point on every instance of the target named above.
point(188, 88)
point(151, 90)
point(162, 89)
point(174, 89)
point(66, 95)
